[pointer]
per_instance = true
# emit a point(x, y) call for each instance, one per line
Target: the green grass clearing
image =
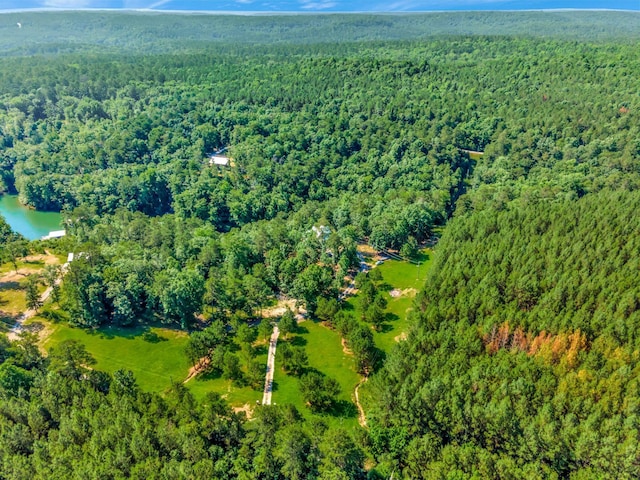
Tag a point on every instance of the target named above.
point(230, 391)
point(155, 355)
point(325, 352)
point(409, 279)
point(406, 277)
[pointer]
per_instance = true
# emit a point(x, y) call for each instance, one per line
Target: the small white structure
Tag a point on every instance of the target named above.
point(70, 257)
point(55, 234)
point(322, 232)
point(218, 160)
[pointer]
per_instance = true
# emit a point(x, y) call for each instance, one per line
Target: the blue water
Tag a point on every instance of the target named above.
point(325, 5)
point(31, 224)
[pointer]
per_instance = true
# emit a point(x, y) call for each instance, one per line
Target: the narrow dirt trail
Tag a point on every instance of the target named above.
point(362, 419)
point(199, 367)
point(14, 333)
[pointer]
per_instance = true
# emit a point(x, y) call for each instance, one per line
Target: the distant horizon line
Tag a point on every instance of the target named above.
point(295, 12)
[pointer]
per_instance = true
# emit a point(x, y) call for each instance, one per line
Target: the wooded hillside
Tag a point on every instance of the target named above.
point(513, 137)
point(524, 358)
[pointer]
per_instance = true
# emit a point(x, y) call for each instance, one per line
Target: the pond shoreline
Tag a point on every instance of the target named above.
point(30, 223)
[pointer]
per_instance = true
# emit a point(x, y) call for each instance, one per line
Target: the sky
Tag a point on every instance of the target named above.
point(321, 5)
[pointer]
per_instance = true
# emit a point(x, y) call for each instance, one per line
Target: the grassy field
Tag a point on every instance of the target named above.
point(12, 286)
point(234, 394)
point(325, 352)
point(408, 279)
point(155, 355)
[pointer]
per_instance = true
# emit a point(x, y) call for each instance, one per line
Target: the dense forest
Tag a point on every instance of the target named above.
point(157, 32)
point(522, 358)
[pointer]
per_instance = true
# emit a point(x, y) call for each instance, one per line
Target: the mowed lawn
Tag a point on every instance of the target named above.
point(325, 352)
point(408, 278)
point(155, 355)
point(233, 393)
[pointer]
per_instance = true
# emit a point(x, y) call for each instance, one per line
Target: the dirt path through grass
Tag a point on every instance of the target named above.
point(362, 419)
point(14, 333)
point(271, 360)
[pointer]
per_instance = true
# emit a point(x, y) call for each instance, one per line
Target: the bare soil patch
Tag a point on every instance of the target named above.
point(407, 292)
point(401, 337)
point(246, 408)
point(282, 306)
point(46, 258)
point(199, 367)
point(370, 253)
point(367, 249)
point(346, 349)
point(14, 277)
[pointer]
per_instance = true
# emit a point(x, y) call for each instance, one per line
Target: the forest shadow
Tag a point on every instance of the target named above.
point(385, 287)
point(10, 285)
point(298, 341)
point(54, 316)
point(421, 257)
point(34, 327)
point(110, 332)
point(260, 350)
point(213, 374)
point(153, 337)
point(7, 321)
point(391, 317)
point(343, 409)
point(385, 328)
point(379, 359)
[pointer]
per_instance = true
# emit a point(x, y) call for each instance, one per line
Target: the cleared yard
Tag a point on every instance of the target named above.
point(326, 354)
point(401, 281)
point(13, 284)
point(155, 355)
point(234, 394)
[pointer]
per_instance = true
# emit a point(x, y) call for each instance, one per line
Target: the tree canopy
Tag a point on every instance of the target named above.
point(517, 145)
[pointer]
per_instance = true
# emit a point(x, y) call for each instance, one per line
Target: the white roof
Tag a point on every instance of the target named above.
point(218, 160)
point(55, 234)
